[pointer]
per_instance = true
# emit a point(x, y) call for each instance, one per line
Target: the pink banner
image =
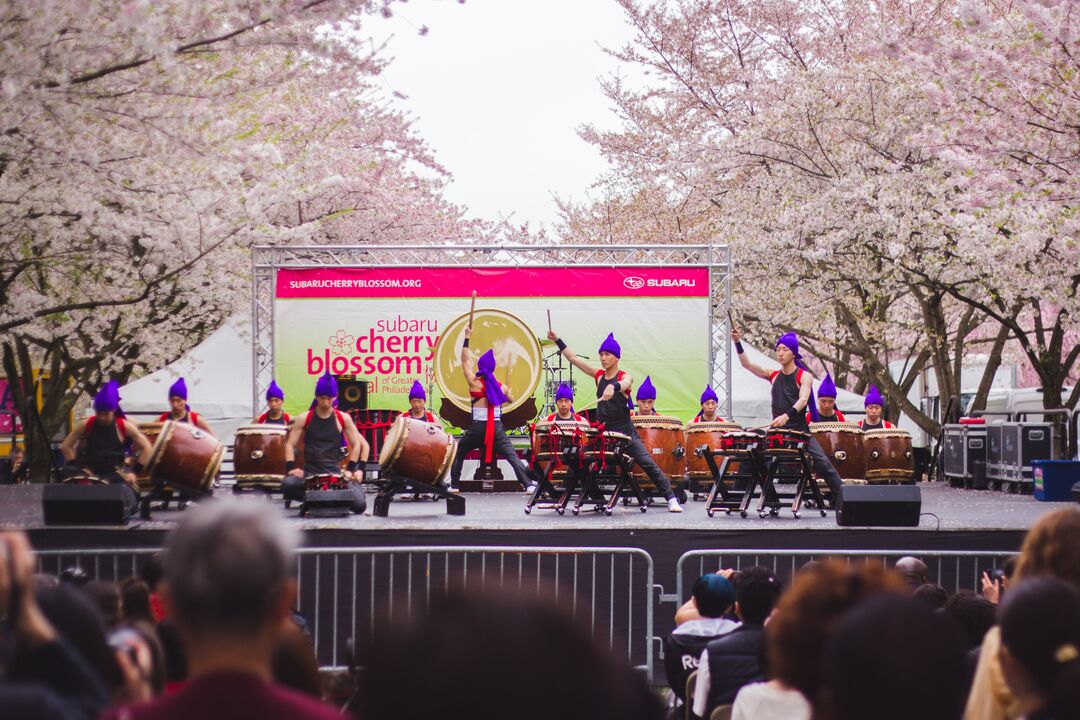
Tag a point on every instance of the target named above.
point(677, 281)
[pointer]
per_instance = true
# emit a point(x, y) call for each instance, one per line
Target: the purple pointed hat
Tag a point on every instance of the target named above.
point(326, 385)
point(564, 393)
point(791, 342)
point(709, 394)
point(873, 397)
point(647, 391)
point(178, 389)
point(416, 392)
point(107, 398)
point(485, 368)
point(827, 387)
point(611, 346)
point(274, 391)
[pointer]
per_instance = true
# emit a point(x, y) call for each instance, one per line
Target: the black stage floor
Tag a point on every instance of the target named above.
point(953, 520)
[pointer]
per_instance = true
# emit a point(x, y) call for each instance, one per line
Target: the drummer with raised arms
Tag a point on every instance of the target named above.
point(709, 403)
point(97, 445)
point(792, 395)
point(324, 429)
point(646, 399)
point(564, 407)
point(180, 410)
point(613, 409)
point(487, 395)
point(826, 403)
point(874, 405)
point(275, 413)
point(418, 404)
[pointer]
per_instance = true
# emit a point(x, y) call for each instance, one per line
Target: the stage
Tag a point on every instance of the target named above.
point(953, 520)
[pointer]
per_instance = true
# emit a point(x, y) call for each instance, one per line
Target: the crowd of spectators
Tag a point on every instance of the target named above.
point(208, 630)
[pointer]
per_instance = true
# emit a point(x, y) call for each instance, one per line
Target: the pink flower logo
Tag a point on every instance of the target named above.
point(341, 342)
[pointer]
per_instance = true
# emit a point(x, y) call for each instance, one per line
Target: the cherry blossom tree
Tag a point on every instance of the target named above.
point(145, 146)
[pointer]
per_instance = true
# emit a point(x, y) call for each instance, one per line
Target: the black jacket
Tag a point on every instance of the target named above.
point(734, 661)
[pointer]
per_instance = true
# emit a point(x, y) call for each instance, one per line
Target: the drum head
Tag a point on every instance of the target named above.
point(262, 429)
point(393, 442)
point(517, 356)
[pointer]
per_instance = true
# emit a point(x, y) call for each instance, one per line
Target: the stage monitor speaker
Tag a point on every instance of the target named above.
point(880, 505)
point(352, 393)
point(64, 504)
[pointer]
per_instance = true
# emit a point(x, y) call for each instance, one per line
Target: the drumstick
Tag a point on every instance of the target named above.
point(587, 405)
point(549, 319)
point(472, 308)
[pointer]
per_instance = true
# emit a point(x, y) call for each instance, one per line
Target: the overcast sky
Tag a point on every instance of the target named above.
point(498, 88)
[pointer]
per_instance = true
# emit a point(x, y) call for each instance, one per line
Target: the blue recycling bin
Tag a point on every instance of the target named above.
point(1054, 479)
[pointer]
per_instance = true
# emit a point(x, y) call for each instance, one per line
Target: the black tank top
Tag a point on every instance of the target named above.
point(785, 393)
point(614, 413)
point(828, 418)
point(322, 446)
point(271, 421)
point(879, 425)
point(104, 451)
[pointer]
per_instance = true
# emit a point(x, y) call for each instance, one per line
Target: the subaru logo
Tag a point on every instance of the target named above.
point(633, 282)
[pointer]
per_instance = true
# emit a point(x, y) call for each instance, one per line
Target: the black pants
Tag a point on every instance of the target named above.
point(640, 454)
point(473, 439)
point(111, 476)
point(294, 488)
point(824, 469)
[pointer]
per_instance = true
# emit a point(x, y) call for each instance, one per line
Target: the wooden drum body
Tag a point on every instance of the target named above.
point(604, 446)
point(551, 439)
point(704, 433)
point(185, 457)
point(259, 455)
point(663, 438)
point(888, 455)
point(418, 450)
point(844, 445)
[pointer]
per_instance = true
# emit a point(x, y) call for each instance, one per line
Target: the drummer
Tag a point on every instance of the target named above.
point(97, 446)
point(487, 395)
point(564, 407)
point(417, 404)
point(792, 393)
point(709, 403)
point(275, 413)
point(874, 405)
point(826, 403)
point(324, 428)
point(646, 399)
point(181, 411)
point(613, 409)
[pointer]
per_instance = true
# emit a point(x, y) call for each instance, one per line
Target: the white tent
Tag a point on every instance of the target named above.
point(218, 376)
point(751, 400)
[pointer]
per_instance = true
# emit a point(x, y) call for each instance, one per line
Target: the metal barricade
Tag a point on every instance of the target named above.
point(957, 570)
point(357, 592)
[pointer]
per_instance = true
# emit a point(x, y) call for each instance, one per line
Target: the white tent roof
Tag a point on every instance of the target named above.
point(218, 375)
point(751, 399)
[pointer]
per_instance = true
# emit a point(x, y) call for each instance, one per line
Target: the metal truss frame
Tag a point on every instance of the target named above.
point(267, 260)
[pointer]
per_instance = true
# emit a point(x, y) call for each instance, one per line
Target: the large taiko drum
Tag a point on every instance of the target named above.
point(888, 455)
point(417, 450)
point(185, 457)
point(843, 445)
point(663, 438)
point(551, 439)
point(259, 455)
point(707, 433)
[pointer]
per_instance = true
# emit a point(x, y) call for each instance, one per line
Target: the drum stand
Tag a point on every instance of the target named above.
point(771, 503)
point(163, 494)
point(592, 492)
point(392, 483)
point(545, 486)
point(732, 499)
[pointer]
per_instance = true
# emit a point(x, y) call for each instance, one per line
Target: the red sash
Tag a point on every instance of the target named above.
point(489, 422)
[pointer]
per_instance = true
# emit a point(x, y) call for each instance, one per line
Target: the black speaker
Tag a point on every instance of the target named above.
point(64, 504)
point(881, 505)
point(352, 393)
